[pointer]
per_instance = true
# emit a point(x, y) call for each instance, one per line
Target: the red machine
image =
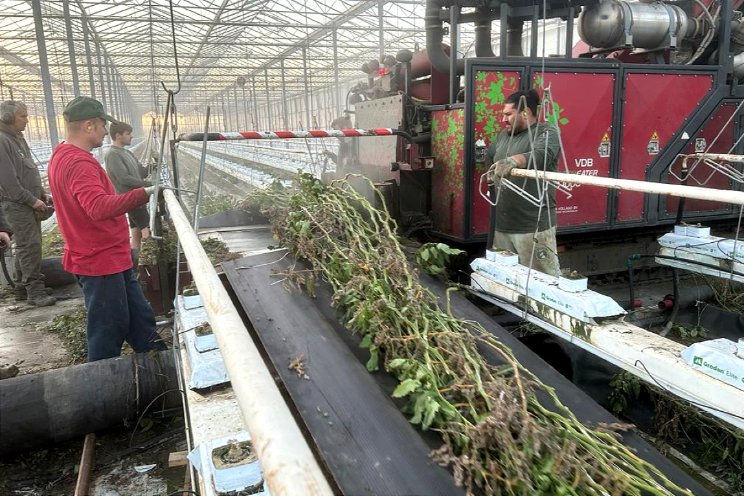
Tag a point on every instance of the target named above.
point(660, 80)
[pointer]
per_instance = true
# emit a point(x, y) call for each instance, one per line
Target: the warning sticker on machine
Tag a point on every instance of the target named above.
point(653, 144)
point(604, 146)
point(700, 145)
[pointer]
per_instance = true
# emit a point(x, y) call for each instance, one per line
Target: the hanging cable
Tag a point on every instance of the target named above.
point(175, 52)
point(152, 59)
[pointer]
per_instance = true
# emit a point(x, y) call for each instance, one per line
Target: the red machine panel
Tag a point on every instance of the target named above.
point(707, 139)
point(656, 106)
point(586, 135)
point(448, 175)
point(491, 88)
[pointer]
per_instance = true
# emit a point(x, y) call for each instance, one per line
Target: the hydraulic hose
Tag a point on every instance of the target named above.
point(675, 307)
point(675, 275)
point(631, 291)
point(675, 281)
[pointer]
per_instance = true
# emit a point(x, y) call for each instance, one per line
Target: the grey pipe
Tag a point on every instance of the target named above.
point(434, 36)
point(454, 80)
point(405, 57)
point(514, 30)
point(687, 297)
point(737, 36)
point(59, 405)
point(483, 46)
point(616, 23)
point(739, 66)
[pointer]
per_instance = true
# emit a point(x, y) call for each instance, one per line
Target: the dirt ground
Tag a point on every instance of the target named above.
point(121, 456)
point(123, 466)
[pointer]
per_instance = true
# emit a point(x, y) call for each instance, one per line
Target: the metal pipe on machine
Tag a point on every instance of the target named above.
point(617, 23)
point(289, 466)
point(514, 31)
point(453, 79)
point(404, 57)
point(434, 36)
point(482, 22)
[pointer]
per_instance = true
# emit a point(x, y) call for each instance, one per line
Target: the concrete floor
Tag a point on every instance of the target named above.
point(20, 337)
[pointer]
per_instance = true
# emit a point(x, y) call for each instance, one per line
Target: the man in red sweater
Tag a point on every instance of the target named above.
point(91, 219)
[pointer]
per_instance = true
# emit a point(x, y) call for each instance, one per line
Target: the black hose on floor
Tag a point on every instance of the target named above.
point(5, 268)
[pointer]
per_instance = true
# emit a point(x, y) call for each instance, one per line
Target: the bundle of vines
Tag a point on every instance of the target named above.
point(504, 431)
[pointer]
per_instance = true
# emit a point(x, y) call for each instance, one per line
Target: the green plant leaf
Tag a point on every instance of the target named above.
point(432, 408)
point(396, 363)
point(373, 363)
point(418, 408)
point(406, 387)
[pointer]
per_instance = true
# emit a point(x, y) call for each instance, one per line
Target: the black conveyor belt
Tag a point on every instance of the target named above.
point(363, 439)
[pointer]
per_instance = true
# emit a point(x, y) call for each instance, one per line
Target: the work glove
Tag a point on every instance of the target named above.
point(501, 169)
point(151, 189)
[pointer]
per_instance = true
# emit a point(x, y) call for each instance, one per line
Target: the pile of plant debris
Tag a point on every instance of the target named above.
point(714, 445)
point(70, 328)
point(216, 249)
point(165, 248)
point(727, 294)
point(216, 203)
point(499, 438)
point(52, 244)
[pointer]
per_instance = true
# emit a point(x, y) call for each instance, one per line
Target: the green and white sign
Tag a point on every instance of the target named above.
point(718, 359)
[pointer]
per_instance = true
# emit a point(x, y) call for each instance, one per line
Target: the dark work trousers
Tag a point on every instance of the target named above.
point(27, 236)
point(117, 311)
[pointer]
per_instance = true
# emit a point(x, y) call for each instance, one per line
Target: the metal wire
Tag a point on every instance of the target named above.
point(175, 52)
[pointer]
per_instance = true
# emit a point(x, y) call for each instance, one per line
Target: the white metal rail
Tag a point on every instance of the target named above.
point(698, 193)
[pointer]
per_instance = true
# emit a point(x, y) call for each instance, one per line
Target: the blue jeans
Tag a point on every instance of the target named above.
point(117, 311)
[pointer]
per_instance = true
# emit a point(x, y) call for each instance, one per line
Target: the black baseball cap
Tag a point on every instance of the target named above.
point(83, 108)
